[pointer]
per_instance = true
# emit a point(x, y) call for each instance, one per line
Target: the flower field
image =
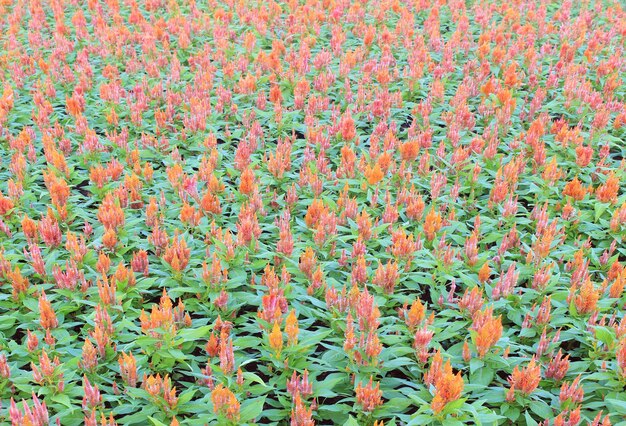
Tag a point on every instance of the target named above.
point(390, 212)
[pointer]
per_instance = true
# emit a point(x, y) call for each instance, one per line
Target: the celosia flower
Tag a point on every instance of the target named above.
point(575, 189)
point(307, 262)
point(621, 358)
point(373, 174)
point(369, 397)
point(467, 353)
point(164, 317)
point(139, 262)
point(566, 418)
point(300, 414)
point(5, 371)
point(6, 205)
point(607, 192)
point(177, 254)
point(558, 366)
point(599, 421)
point(291, 328)
point(89, 359)
point(49, 230)
point(471, 249)
point(415, 314)
point(47, 317)
point(387, 276)
point(31, 341)
point(571, 392)
point(37, 415)
point(472, 300)
point(299, 385)
point(524, 380)
point(29, 227)
point(543, 314)
point(91, 395)
point(448, 388)
point(432, 224)
point(421, 340)
point(160, 388)
point(587, 298)
point(225, 403)
point(507, 283)
point(128, 369)
point(484, 273)
point(48, 372)
point(276, 339)
point(488, 331)
point(19, 283)
point(226, 355)
point(110, 214)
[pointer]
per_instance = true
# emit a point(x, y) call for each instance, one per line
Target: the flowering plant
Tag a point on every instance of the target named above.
point(312, 212)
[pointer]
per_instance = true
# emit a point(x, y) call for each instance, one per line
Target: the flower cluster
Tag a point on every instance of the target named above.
point(312, 212)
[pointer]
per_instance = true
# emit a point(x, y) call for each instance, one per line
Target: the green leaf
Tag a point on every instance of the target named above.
point(194, 334)
point(62, 399)
point(541, 409)
point(251, 409)
point(177, 354)
point(420, 419)
point(605, 335)
point(487, 418)
point(139, 417)
point(529, 420)
point(454, 406)
point(599, 209)
point(617, 406)
point(7, 322)
point(186, 396)
point(512, 413)
point(351, 422)
point(482, 376)
point(451, 422)
point(475, 364)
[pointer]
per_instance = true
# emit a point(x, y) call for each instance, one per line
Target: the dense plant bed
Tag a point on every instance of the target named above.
point(312, 212)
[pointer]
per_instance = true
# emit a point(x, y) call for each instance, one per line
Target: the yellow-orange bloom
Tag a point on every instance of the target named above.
point(415, 314)
point(225, 403)
point(488, 331)
point(409, 150)
point(276, 339)
point(620, 355)
point(525, 380)
point(432, 224)
point(369, 396)
point(617, 288)
point(291, 328)
point(29, 227)
point(484, 272)
point(128, 368)
point(177, 254)
point(607, 193)
point(575, 189)
point(247, 184)
point(19, 283)
point(47, 317)
point(109, 239)
point(374, 174)
point(158, 386)
point(448, 388)
point(587, 299)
